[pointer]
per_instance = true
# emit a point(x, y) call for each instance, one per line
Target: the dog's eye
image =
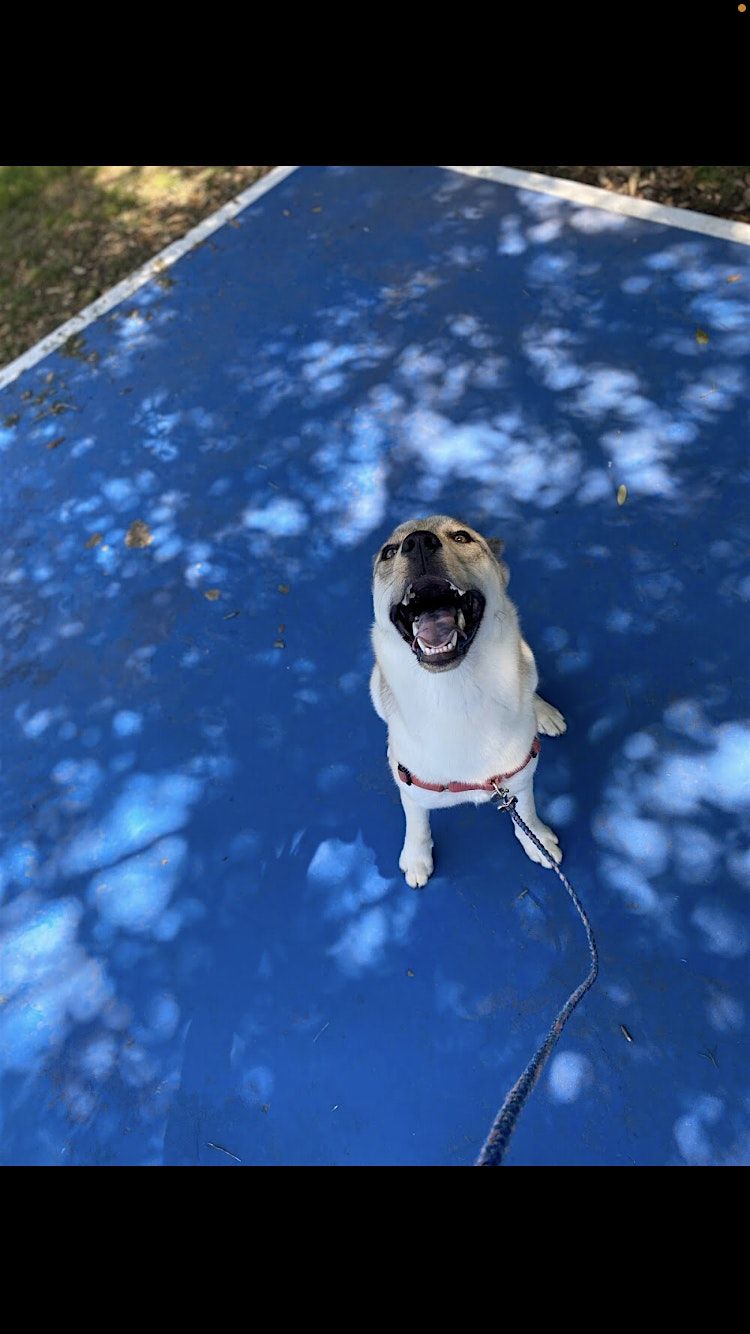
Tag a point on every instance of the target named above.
point(462, 536)
point(388, 552)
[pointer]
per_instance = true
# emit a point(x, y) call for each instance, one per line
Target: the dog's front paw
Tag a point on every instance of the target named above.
point(549, 720)
point(547, 838)
point(417, 866)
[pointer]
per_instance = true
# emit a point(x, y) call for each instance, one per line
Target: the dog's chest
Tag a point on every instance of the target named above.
point(461, 735)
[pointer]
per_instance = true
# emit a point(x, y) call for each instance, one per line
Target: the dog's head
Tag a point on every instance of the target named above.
point(435, 582)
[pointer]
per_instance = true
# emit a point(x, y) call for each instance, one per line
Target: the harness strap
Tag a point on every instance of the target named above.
point(490, 786)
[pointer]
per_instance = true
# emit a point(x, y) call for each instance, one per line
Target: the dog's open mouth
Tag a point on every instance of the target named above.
point(437, 619)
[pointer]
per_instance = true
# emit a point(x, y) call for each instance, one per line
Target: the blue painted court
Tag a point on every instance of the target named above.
point(208, 955)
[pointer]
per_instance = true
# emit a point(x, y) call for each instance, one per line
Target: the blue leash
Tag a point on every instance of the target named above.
point(496, 1143)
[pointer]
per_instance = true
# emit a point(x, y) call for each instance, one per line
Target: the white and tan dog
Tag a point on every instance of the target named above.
point(454, 681)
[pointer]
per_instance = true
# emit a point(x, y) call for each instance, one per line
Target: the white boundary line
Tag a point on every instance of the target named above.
point(589, 195)
point(154, 266)
point(594, 197)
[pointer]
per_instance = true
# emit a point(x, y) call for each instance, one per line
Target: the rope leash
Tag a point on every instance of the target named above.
point(496, 1143)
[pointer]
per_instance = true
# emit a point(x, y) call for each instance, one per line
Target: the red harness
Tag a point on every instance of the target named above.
point(489, 786)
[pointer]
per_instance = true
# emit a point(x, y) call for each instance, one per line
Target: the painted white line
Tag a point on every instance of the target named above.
point(593, 197)
point(154, 266)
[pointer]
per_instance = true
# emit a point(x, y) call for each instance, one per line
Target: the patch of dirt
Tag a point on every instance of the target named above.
point(723, 192)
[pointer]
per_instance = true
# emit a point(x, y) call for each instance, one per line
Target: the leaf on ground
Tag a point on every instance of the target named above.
point(212, 594)
point(734, 278)
point(53, 444)
point(94, 540)
point(138, 534)
point(622, 495)
point(701, 336)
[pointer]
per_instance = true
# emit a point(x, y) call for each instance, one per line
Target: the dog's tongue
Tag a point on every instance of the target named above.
point(435, 627)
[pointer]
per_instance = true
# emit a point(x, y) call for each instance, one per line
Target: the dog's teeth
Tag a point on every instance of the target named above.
point(461, 621)
point(439, 648)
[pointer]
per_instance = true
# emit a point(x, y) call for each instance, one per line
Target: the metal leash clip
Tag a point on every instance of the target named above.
point(502, 801)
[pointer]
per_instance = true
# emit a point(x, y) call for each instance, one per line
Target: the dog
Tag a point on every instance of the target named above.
point(455, 682)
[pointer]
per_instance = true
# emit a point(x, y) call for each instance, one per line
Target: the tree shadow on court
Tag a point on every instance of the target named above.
point(204, 922)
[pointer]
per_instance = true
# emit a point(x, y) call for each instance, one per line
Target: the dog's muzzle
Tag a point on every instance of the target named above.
point(437, 619)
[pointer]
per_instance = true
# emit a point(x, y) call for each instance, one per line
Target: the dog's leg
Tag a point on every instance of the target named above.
point(527, 811)
point(416, 856)
point(549, 720)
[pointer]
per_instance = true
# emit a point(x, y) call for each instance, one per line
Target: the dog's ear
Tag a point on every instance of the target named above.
point(497, 547)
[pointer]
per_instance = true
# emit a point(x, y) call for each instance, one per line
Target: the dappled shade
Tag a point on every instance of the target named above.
point(206, 940)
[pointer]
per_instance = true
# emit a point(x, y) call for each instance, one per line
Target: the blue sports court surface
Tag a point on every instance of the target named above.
point(208, 955)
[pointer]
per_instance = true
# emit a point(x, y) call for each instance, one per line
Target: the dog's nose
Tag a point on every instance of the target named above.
point(422, 544)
